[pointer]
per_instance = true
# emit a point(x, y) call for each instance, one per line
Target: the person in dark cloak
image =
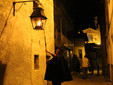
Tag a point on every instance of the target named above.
point(76, 64)
point(57, 69)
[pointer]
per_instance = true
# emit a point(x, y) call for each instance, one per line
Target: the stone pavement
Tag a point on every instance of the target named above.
point(92, 80)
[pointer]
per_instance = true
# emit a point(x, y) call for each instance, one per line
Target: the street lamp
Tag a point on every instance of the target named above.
point(38, 18)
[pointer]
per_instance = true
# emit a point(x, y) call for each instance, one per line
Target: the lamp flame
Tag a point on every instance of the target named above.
point(39, 23)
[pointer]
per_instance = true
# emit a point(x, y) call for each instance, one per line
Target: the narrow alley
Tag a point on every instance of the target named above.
point(92, 80)
point(57, 38)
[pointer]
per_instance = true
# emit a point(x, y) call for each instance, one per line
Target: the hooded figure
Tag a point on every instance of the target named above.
point(57, 69)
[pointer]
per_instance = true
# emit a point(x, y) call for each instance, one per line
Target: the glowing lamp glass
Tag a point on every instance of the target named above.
point(38, 18)
point(37, 23)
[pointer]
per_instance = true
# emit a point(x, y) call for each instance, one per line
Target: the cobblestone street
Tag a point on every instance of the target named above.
point(92, 80)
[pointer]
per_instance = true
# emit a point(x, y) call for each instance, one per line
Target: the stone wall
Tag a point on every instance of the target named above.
point(19, 42)
point(109, 32)
point(79, 45)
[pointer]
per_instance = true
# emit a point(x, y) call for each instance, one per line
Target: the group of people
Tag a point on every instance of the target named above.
point(80, 65)
point(85, 64)
point(58, 71)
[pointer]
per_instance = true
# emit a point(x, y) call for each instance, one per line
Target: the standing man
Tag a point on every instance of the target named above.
point(85, 63)
point(57, 69)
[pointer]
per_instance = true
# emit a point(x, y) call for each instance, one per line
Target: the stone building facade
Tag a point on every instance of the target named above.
point(21, 45)
point(63, 28)
point(63, 25)
point(93, 35)
point(79, 47)
point(109, 35)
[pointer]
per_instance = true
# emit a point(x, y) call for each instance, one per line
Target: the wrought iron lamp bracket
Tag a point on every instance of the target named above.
point(14, 3)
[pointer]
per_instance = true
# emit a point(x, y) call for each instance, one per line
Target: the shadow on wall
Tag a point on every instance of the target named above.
point(2, 72)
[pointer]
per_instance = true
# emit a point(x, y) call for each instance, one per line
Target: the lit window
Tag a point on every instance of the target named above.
point(90, 38)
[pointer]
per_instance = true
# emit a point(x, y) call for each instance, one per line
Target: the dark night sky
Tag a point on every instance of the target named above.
point(82, 12)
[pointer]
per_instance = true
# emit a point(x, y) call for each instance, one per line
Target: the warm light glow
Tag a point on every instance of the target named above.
point(78, 32)
point(39, 23)
point(98, 43)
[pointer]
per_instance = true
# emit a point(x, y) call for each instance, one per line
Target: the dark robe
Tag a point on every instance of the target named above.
point(57, 70)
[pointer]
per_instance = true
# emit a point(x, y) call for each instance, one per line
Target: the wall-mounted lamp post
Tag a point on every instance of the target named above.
point(38, 17)
point(14, 3)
